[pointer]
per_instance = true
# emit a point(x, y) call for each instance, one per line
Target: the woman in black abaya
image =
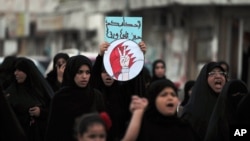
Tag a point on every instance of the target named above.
point(158, 70)
point(75, 98)
point(225, 111)
point(204, 95)
point(30, 96)
point(55, 76)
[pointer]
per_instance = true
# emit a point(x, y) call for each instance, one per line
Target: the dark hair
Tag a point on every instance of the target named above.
point(87, 120)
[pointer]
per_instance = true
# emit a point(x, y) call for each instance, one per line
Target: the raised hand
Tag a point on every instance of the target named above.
point(143, 47)
point(103, 47)
point(138, 103)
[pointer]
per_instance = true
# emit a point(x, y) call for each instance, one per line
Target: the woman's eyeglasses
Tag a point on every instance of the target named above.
point(215, 73)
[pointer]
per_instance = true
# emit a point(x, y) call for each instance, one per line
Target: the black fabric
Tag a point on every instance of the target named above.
point(226, 64)
point(201, 103)
point(225, 113)
point(52, 75)
point(6, 71)
point(154, 89)
point(245, 64)
point(117, 98)
point(157, 127)
point(243, 110)
point(10, 128)
point(71, 101)
point(35, 91)
point(154, 77)
point(188, 86)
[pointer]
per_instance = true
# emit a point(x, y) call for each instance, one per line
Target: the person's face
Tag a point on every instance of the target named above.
point(95, 132)
point(216, 80)
point(167, 101)
point(20, 76)
point(82, 76)
point(159, 70)
point(60, 62)
point(107, 80)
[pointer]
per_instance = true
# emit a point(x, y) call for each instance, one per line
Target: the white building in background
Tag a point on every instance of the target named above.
point(17, 16)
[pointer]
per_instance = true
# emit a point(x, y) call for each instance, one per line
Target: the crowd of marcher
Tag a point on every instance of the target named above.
point(80, 101)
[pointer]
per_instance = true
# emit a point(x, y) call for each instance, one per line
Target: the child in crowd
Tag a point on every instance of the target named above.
point(92, 127)
point(159, 121)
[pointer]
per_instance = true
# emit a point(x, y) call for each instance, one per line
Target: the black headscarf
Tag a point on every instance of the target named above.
point(7, 69)
point(154, 77)
point(226, 64)
point(59, 56)
point(224, 113)
point(34, 77)
point(153, 91)
point(35, 81)
point(201, 103)
point(52, 75)
point(72, 66)
point(188, 86)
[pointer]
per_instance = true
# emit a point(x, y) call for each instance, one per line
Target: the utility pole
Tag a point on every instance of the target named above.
point(126, 8)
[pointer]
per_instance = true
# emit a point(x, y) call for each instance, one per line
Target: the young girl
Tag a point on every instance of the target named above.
point(92, 127)
point(160, 121)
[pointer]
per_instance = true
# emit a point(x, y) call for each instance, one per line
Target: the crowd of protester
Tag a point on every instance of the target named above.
point(80, 101)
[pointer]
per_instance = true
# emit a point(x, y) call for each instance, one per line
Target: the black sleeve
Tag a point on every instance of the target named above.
point(95, 78)
point(10, 128)
point(138, 85)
